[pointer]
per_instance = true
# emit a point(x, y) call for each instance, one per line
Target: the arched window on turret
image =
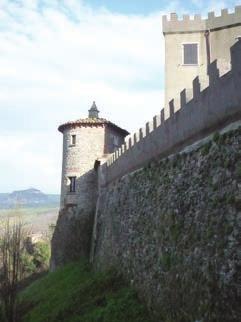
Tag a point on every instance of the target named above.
point(73, 139)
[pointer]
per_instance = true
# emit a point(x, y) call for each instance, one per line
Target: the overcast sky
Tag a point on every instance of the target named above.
point(57, 56)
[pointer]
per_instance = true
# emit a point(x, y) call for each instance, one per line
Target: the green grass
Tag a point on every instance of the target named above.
point(75, 293)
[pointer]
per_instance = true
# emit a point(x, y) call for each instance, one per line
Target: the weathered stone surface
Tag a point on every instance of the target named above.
point(94, 138)
point(173, 229)
point(72, 236)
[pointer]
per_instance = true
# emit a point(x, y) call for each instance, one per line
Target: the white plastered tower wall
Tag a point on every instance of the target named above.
point(214, 36)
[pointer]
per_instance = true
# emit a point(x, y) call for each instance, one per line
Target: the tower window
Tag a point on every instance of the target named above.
point(73, 139)
point(72, 186)
point(190, 54)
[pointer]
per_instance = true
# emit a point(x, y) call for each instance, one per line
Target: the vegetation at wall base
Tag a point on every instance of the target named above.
point(74, 293)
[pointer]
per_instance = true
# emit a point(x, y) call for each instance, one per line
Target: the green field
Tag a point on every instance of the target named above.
point(76, 294)
point(30, 211)
point(35, 219)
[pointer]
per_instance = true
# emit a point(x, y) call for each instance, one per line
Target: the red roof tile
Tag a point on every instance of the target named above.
point(91, 122)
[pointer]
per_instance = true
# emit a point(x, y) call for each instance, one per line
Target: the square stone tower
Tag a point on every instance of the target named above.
point(191, 44)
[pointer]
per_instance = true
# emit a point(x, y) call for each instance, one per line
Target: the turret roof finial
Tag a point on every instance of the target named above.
point(93, 111)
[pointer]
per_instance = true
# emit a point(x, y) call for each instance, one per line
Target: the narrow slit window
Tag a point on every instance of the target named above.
point(72, 186)
point(73, 139)
point(190, 54)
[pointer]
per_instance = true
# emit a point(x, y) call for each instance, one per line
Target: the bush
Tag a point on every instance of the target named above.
point(41, 255)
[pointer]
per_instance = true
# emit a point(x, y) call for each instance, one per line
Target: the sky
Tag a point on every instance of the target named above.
point(58, 56)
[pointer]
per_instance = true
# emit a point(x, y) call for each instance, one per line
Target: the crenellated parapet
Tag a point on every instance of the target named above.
point(198, 24)
point(208, 108)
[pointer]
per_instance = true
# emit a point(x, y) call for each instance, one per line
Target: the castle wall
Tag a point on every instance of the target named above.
point(173, 229)
point(168, 214)
point(223, 31)
point(207, 111)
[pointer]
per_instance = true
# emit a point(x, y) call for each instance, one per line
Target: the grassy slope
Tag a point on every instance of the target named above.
point(74, 293)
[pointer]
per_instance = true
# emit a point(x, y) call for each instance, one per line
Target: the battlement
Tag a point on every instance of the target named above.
point(201, 112)
point(198, 24)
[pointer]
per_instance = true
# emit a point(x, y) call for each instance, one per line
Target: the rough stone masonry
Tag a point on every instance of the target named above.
point(173, 229)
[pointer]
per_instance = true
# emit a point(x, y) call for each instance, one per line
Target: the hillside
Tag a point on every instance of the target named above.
point(74, 293)
point(28, 198)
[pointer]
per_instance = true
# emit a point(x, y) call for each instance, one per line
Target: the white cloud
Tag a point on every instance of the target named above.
point(50, 54)
point(31, 164)
point(54, 62)
point(55, 59)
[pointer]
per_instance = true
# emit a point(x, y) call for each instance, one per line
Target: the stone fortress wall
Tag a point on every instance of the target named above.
point(207, 110)
point(214, 37)
point(168, 214)
point(172, 228)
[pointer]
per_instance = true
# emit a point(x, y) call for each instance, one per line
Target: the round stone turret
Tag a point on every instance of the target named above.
point(84, 141)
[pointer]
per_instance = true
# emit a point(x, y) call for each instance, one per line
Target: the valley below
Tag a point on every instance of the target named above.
point(37, 220)
point(36, 210)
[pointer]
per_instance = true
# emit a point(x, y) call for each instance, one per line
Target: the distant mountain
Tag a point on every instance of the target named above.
point(28, 198)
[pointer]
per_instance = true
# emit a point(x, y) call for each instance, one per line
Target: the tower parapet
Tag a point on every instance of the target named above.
point(198, 24)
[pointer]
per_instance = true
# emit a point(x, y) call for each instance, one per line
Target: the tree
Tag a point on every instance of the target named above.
point(11, 267)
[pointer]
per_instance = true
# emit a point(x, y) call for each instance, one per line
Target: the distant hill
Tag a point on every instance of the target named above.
point(28, 198)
